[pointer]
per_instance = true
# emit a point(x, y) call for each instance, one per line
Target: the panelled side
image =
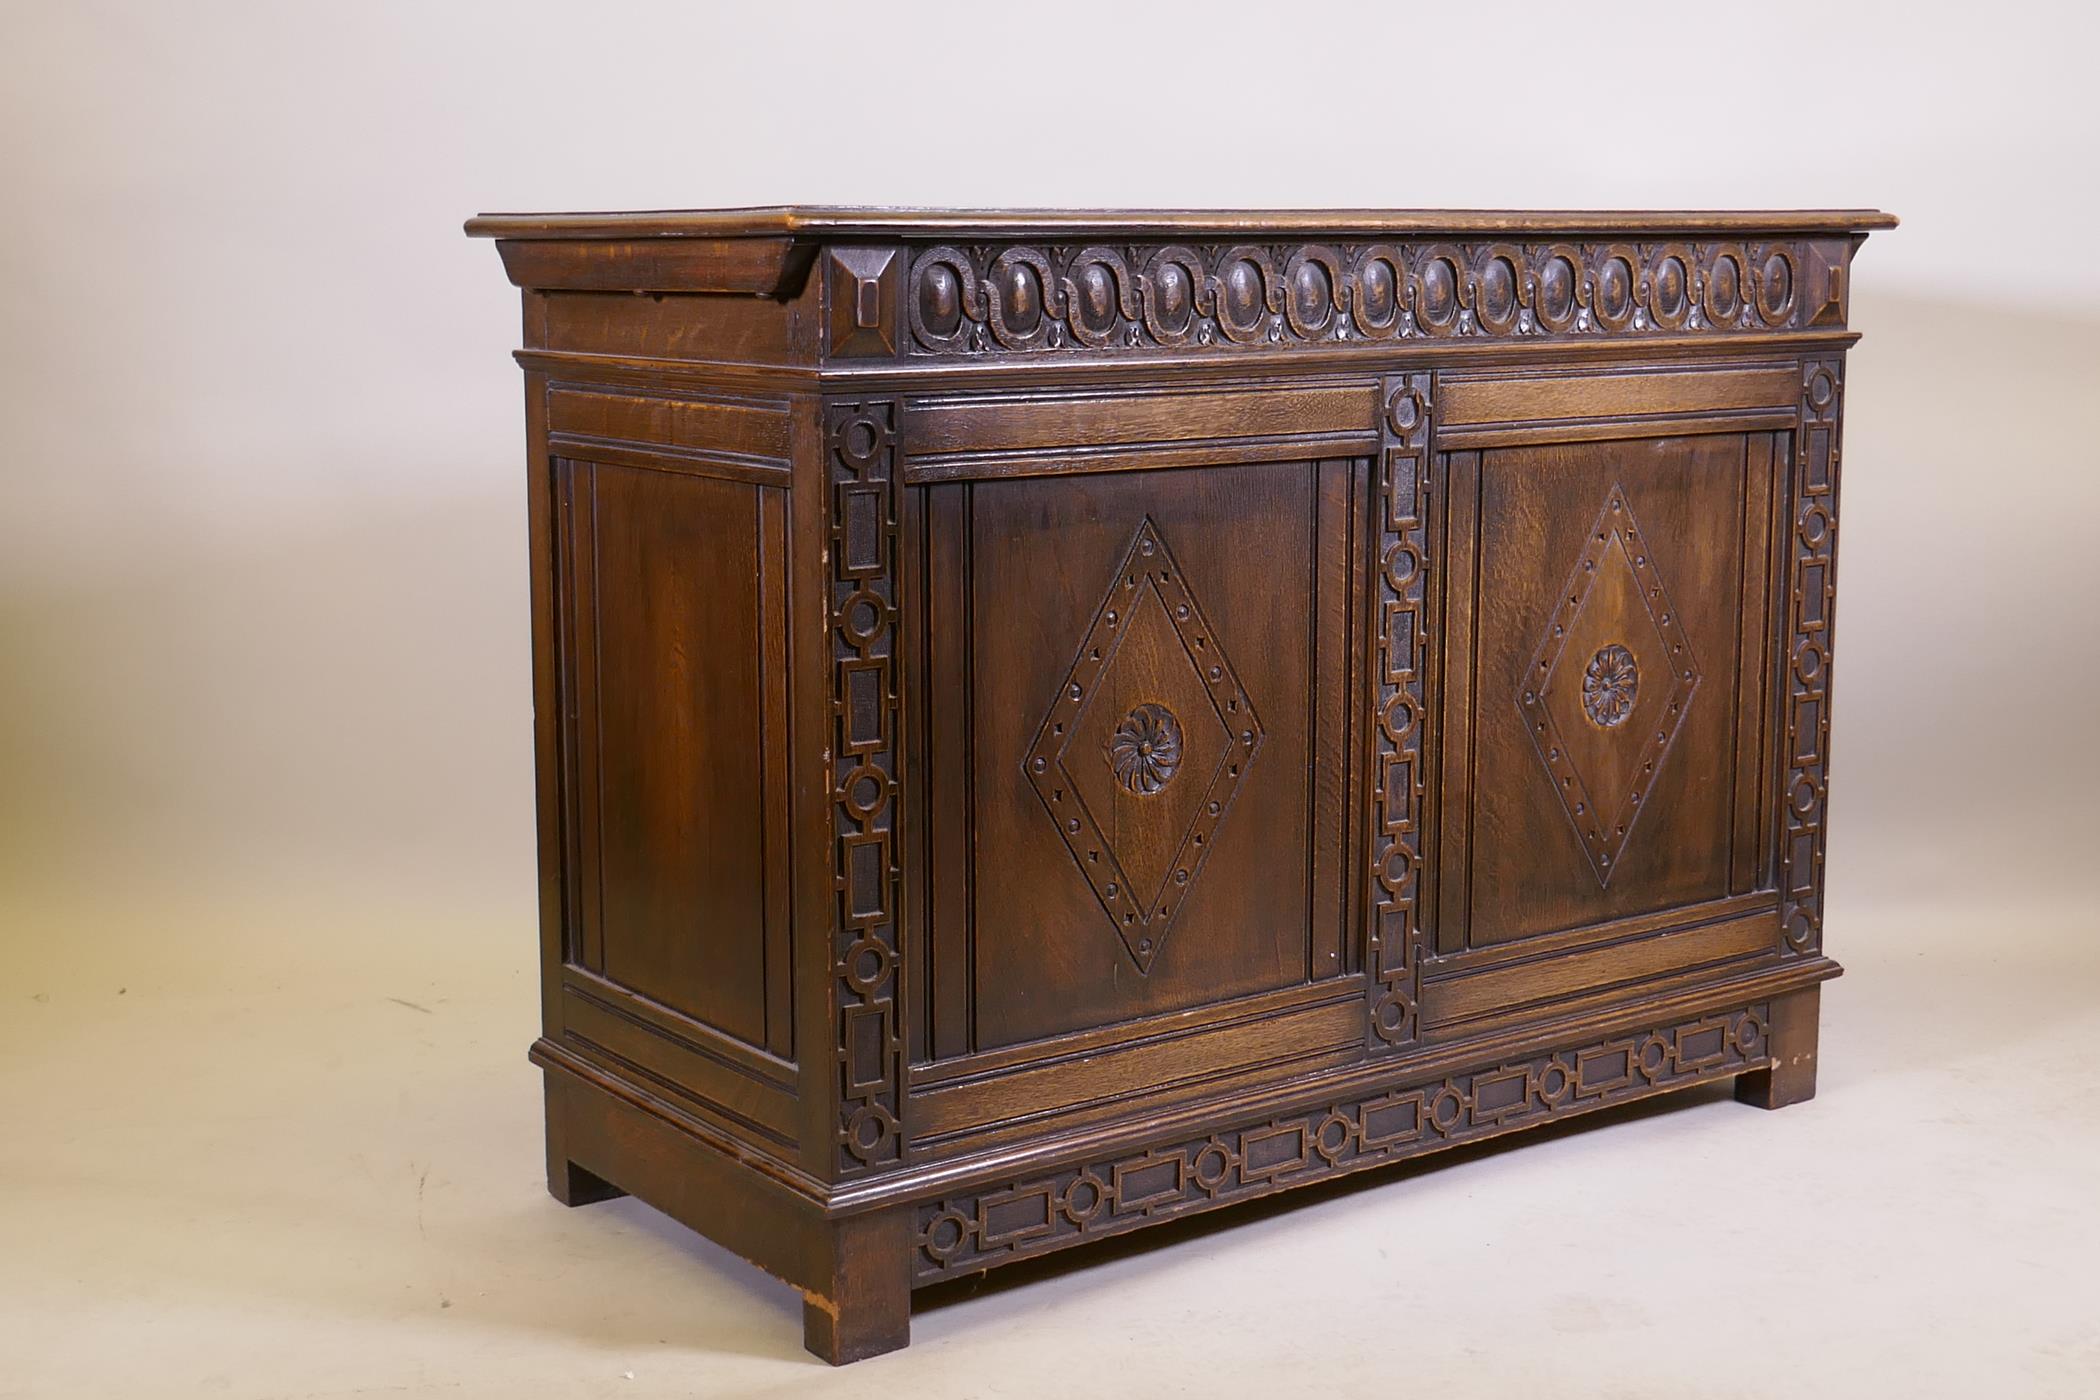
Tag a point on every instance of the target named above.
point(666, 563)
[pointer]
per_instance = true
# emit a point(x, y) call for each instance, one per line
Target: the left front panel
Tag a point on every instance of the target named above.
point(672, 617)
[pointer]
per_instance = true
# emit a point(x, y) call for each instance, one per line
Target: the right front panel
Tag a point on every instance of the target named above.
point(1608, 754)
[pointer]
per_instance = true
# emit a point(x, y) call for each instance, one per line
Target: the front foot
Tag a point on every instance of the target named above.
point(573, 1186)
point(863, 1306)
point(1791, 1041)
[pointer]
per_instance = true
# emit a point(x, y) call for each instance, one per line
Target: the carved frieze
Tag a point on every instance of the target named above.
point(985, 299)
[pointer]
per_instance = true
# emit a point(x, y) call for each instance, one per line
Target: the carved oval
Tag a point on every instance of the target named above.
point(1559, 293)
point(1669, 289)
point(1019, 318)
point(1437, 289)
point(1313, 279)
point(1775, 285)
point(1171, 293)
point(1095, 302)
point(1098, 296)
point(1722, 299)
point(1177, 299)
point(944, 299)
point(1312, 296)
point(940, 300)
point(1612, 299)
point(1377, 292)
point(1242, 298)
point(1021, 298)
point(1496, 291)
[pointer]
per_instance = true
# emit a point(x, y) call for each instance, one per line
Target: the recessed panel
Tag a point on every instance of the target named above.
point(1141, 760)
point(671, 592)
point(1604, 682)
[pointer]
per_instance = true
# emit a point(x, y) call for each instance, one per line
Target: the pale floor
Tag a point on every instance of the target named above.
point(273, 1153)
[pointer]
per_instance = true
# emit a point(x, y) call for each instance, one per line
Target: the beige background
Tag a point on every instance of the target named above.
point(266, 1126)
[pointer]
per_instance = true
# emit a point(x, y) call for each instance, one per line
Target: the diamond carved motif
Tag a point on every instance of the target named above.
point(1608, 688)
point(1145, 746)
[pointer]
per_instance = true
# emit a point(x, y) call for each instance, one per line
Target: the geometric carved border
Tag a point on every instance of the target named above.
point(1091, 1200)
point(1399, 778)
point(1811, 609)
point(860, 445)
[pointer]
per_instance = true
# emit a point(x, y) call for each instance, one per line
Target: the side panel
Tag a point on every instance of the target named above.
point(670, 707)
point(666, 565)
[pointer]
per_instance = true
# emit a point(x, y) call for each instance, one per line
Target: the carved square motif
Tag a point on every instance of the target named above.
point(860, 288)
point(1609, 686)
point(1144, 747)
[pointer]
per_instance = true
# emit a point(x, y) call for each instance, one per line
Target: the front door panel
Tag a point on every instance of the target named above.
point(1138, 732)
point(1606, 784)
point(1605, 673)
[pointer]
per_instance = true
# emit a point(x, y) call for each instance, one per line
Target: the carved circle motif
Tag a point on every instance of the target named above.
point(1144, 752)
point(1609, 684)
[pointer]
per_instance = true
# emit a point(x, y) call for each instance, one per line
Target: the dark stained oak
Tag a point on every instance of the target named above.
point(1050, 721)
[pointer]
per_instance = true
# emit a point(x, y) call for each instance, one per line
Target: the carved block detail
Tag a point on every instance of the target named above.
point(1089, 1200)
point(1811, 615)
point(1001, 298)
point(1399, 777)
point(860, 442)
point(860, 291)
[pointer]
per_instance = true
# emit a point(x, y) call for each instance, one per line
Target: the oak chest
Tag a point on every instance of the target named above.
point(1048, 722)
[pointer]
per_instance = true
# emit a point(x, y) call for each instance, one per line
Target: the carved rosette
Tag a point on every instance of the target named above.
point(1811, 609)
point(1398, 775)
point(860, 441)
point(1015, 298)
point(1108, 1195)
point(1609, 684)
point(1145, 750)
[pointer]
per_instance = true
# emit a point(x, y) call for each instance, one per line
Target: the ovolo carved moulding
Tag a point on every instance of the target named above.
point(995, 299)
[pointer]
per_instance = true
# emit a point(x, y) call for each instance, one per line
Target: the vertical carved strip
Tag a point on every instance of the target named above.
point(859, 442)
point(1811, 591)
point(1400, 651)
